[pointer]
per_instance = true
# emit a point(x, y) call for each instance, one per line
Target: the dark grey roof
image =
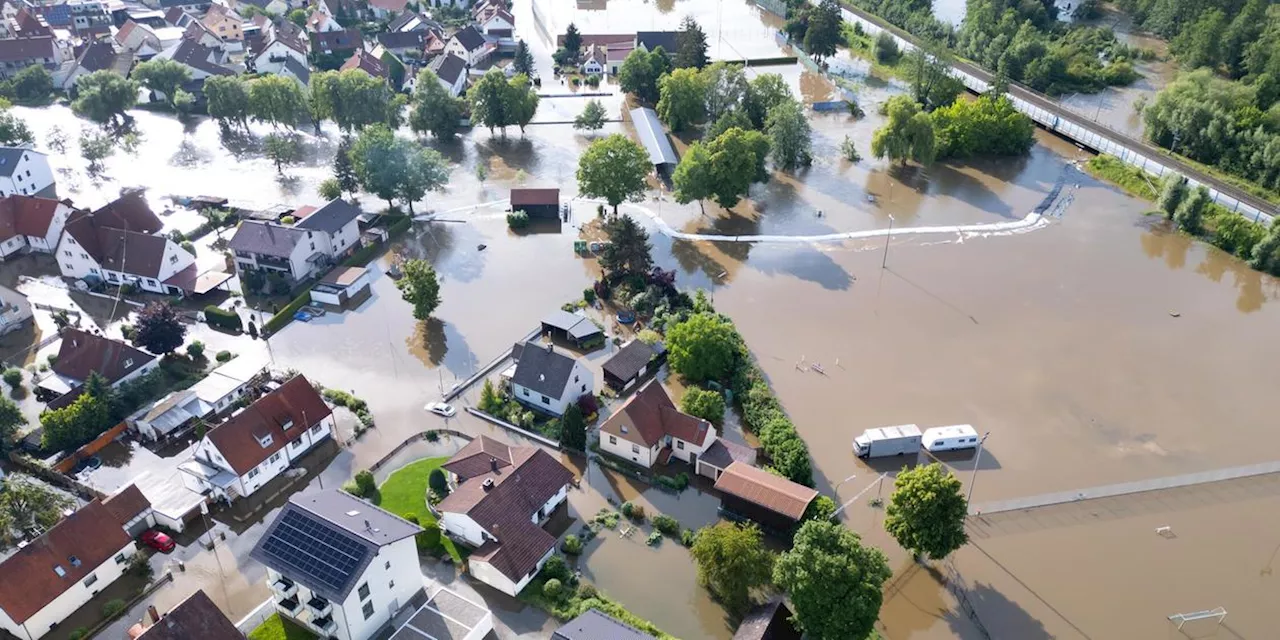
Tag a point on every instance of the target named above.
point(469, 38)
point(265, 238)
point(299, 70)
point(653, 136)
point(195, 55)
point(331, 218)
point(629, 360)
point(9, 158)
point(542, 369)
point(403, 39)
point(594, 625)
point(448, 67)
point(721, 454)
point(326, 540)
point(654, 39)
point(576, 326)
point(769, 621)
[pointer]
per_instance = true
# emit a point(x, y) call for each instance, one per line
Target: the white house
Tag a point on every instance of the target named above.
point(452, 73)
point(58, 572)
point(546, 379)
point(470, 45)
point(25, 171)
point(648, 429)
point(30, 223)
point(313, 243)
point(496, 21)
point(15, 312)
point(201, 61)
point(273, 56)
point(82, 353)
point(595, 60)
point(500, 497)
point(227, 384)
point(338, 565)
point(119, 244)
point(239, 456)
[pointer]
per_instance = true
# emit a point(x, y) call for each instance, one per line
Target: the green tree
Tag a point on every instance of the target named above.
point(32, 86)
point(1190, 214)
point(682, 100)
point(104, 97)
point(521, 101)
point(298, 17)
point(13, 130)
point(281, 149)
point(353, 99)
point(1173, 188)
point(1266, 254)
point(906, 135)
point(641, 71)
point(573, 428)
point(425, 171)
point(378, 162)
point(732, 561)
point(728, 120)
point(628, 250)
point(703, 347)
point(95, 148)
point(691, 45)
point(277, 100)
point(343, 170)
point(765, 92)
point(573, 42)
point(489, 400)
point(834, 582)
point(926, 511)
point(523, 59)
point(592, 117)
point(929, 72)
point(823, 35)
point(789, 135)
point(228, 100)
point(886, 48)
point(490, 100)
point(1200, 44)
point(31, 508)
point(162, 76)
point(420, 288)
point(11, 419)
point(330, 189)
point(725, 89)
point(703, 403)
point(723, 169)
point(613, 168)
point(822, 508)
point(77, 423)
point(990, 125)
point(158, 329)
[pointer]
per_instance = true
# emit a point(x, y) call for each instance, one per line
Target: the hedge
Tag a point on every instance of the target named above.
point(219, 317)
point(279, 320)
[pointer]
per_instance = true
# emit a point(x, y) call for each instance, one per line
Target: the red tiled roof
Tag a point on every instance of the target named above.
point(758, 486)
point(195, 617)
point(26, 216)
point(126, 504)
point(129, 212)
point(24, 49)
point(394, 6)
point(366, 62)
point(476, 458)
point(91, 535)
point(649, 415)
point(521, 197)
point(82, 353)
point(239, 439)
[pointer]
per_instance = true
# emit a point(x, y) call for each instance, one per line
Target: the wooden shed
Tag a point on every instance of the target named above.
point(539, 204)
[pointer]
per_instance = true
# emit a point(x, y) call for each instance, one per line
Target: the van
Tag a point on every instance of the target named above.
point(953, 438)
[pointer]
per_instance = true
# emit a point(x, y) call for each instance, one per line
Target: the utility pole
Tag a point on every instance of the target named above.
point(977, 458)
point(884, 261)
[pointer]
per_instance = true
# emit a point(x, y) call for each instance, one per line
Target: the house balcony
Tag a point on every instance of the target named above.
point(324, 625)
point(319, 607)
point(284, 588)
point(290, 606)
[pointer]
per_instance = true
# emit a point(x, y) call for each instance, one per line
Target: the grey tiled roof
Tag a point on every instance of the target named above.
point(543, 370)
point(331, 218)
point(594, 625)
point(267, 239)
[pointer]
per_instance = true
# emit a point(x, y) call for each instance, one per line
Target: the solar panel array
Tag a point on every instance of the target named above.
point(328, 558)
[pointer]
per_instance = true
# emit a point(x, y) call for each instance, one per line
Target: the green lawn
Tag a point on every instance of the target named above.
point(277, 628)
point(405, 493)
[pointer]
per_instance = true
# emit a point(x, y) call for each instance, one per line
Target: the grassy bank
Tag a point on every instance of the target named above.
point(1133, 180)
point(277, 628)
point(405, 494)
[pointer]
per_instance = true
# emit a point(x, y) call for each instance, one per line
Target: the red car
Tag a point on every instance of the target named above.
point(158, 541)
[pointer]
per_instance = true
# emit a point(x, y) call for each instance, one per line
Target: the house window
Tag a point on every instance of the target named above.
point(62, 573)
point(253, 473)
point(635, 448)
point(575, 378)
point(363, 591)
point(84, 256)
point(128, 362)
point(526, 392)
point(367, 609)
point(613, 440)
point(387, 566)
point(584, 388)
point(679, 444)
point(546, 400)
point(93, 577)
point(391, 585)
point(265, 441)
point(275, 457)
point(173, 258)
point(68, 253)
point(93, 271)
point(120, 558)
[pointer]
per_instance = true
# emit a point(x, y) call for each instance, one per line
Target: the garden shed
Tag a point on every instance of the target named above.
point(571, 327)
point(539, 204)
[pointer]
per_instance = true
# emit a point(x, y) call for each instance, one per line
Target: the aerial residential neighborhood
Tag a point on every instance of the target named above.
point(517, 320)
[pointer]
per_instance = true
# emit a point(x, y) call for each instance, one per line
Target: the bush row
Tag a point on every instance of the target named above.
point(218, 317)
point(285, 316)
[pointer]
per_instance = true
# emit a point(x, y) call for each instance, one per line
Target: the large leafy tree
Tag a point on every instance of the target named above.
point(282, 150)
point(732, 561)
point(789, 135)
point(104, 97)
point(928, 69)
point(628, 250)
point(682, 100)
point(835, 583)
point(592, 117)
point(353, 99)
point(162, 76)
point(29, 507)
point(926, 511)
point(722, 169)
point(703, 403)
point(378, 163)
point(419, 287)
point(573, 428)
point(82, 420)
point(764, 92)
point(641, 71)
point(906, 135)
point(11, 419)
point(425, 171)
point(32, 86)
point(228, 100)
point(277, 100)
point(613, 168)
point(13, 130)
point(158, 328)
point(522, 101)
point(725, 88)
point(823, 35)
point(691, 45)
point(435, 111)
point(343, 170)
point(703, 347)
point(990, 125)
point(490, 101)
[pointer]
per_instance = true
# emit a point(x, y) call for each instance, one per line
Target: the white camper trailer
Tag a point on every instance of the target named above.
point(953, 438)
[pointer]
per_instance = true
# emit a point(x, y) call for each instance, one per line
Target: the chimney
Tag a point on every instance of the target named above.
point(493, 463)
point(152, 614)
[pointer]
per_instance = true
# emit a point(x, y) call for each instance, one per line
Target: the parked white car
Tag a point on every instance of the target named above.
point(442, 409)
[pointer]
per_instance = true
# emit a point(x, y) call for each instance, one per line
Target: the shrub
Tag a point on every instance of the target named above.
point(196, 350)
point(586, 591)
point(217, 317)
point(13, 377)
point(666, 524)
point(139, 566)
point(517, 220)
point(588, 404)
point(676, 483)
point(654, 539)
point(552, 588)
point(633, 511)
point(849, 150)
point(113, 608)
point(556, 569)
point(593, 80)
point(688, 537)
point(223, 356)
point(702, 403)
point(572, 545)
point(886, 49)
point(589, 295)
point(365, 483)
point(428, 540)
point(438, 482)
point(606, 518)
point(288, 220)
point(80, 633)
point(285, 316)
point(188, 247)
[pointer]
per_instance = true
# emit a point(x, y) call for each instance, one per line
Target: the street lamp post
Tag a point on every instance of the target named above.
point(977, 458)
point(884, 261)
point(714, 282)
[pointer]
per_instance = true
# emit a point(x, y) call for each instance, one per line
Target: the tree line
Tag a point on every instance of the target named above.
point(989, 125)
